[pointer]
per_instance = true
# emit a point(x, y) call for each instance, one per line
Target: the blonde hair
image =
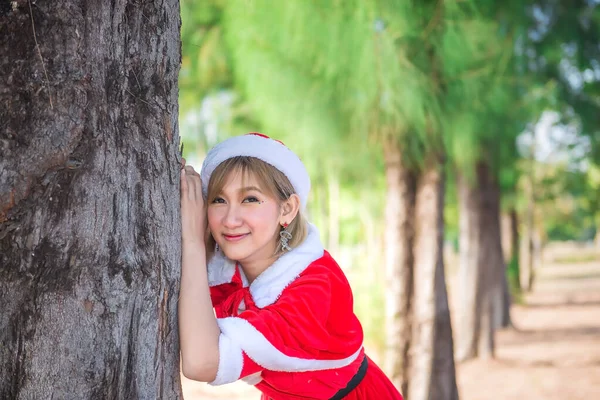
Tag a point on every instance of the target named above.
point(271, 180)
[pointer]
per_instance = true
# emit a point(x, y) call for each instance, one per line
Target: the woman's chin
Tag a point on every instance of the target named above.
point(234, 255)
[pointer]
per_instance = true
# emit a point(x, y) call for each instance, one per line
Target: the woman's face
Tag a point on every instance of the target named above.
point(245, 221)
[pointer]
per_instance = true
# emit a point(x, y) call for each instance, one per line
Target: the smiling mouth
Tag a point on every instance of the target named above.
point(235, 238)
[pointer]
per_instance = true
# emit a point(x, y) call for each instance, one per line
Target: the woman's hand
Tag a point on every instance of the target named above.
point(193, 211)
point(198, 329)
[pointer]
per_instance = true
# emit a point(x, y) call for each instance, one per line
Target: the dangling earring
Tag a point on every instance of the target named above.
point(285, 237)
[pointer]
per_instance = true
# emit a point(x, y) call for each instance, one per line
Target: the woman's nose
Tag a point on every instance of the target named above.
point(232, 217)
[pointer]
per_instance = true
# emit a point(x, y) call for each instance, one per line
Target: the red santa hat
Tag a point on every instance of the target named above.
point(260, 146)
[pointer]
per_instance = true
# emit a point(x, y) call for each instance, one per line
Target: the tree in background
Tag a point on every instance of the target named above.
point(482, 124)
point(405, 88)
point(89, 200)
point(562, 59)
point(593, 198)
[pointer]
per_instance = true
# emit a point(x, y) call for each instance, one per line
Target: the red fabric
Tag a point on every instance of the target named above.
point(374, 386)
point(264, 136)
point(313, 319)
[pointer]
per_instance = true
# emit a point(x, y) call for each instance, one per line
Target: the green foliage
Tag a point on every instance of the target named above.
point(451, 223)
point(483, 104)
point(580, 258)
point(513, 274)
point(327, 71)
point(563, 49)
point(567, 200)
point(332, 78)
point(206, 67)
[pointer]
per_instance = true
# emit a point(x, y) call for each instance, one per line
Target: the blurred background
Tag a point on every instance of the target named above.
point(454, 152)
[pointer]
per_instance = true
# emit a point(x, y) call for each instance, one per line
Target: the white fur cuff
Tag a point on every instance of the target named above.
point(259, 349)
point(231, 361)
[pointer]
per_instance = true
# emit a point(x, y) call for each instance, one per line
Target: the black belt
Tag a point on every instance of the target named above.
point(354, 382)
point(356, 379)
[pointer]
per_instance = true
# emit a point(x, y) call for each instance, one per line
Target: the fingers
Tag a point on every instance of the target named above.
point(198, 187)
point(184, 183)
point(191, 185)
point(190, 171)
point(194, 191)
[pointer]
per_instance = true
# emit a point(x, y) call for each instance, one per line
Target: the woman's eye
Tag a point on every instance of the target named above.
point(218, 200)
point(250, 199)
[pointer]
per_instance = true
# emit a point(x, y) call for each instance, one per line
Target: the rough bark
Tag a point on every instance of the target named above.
point(399, 215)
point(432, 362)
point(89, 205)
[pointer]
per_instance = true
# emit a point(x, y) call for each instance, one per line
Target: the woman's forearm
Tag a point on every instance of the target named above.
point(198, 330)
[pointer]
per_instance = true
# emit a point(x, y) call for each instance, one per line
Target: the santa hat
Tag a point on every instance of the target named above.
point(264, 148)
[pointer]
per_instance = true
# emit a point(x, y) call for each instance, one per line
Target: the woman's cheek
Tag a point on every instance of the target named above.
point(212, 217)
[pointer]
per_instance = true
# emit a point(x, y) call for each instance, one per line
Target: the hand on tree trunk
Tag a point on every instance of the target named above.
point(193, 211)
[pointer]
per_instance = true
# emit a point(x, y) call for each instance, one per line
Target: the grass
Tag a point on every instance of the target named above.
point(577, 258)
point(367, 282)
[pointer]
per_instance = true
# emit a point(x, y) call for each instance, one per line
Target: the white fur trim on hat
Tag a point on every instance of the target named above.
point(264, 148)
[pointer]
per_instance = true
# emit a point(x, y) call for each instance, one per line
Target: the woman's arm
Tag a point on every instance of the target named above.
point(198, 330)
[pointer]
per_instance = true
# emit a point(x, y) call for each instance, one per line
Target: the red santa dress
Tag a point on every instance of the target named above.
point(292, 333)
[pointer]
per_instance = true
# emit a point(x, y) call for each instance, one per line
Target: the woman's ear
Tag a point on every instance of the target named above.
point(289, 209)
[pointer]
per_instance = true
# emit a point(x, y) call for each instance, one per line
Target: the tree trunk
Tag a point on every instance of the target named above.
point(529, 272)
point(432, 364)
point(506, 234)
point(89, 202)
point(399, 213)
point(475, 333)
point(597, 237)
point(510, 245)
point(492, 253)
point(483, 277)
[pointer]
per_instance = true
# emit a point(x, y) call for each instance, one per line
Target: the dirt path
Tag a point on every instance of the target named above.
point(552, 353)
point(554, 350)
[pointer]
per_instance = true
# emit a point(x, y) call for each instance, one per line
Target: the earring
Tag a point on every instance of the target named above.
point(285, 237)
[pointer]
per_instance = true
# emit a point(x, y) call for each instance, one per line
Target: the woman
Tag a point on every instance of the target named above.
point(284, 319)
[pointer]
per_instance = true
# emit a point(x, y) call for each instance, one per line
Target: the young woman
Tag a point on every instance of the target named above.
point(270, 306)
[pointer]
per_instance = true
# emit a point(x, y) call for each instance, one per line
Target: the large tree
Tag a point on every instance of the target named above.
point(89, 200)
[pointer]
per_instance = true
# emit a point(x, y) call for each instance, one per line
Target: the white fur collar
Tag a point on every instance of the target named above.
point(267, 287)
point(221, 270)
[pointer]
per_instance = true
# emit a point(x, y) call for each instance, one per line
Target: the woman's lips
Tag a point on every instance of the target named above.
point(235, 238)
